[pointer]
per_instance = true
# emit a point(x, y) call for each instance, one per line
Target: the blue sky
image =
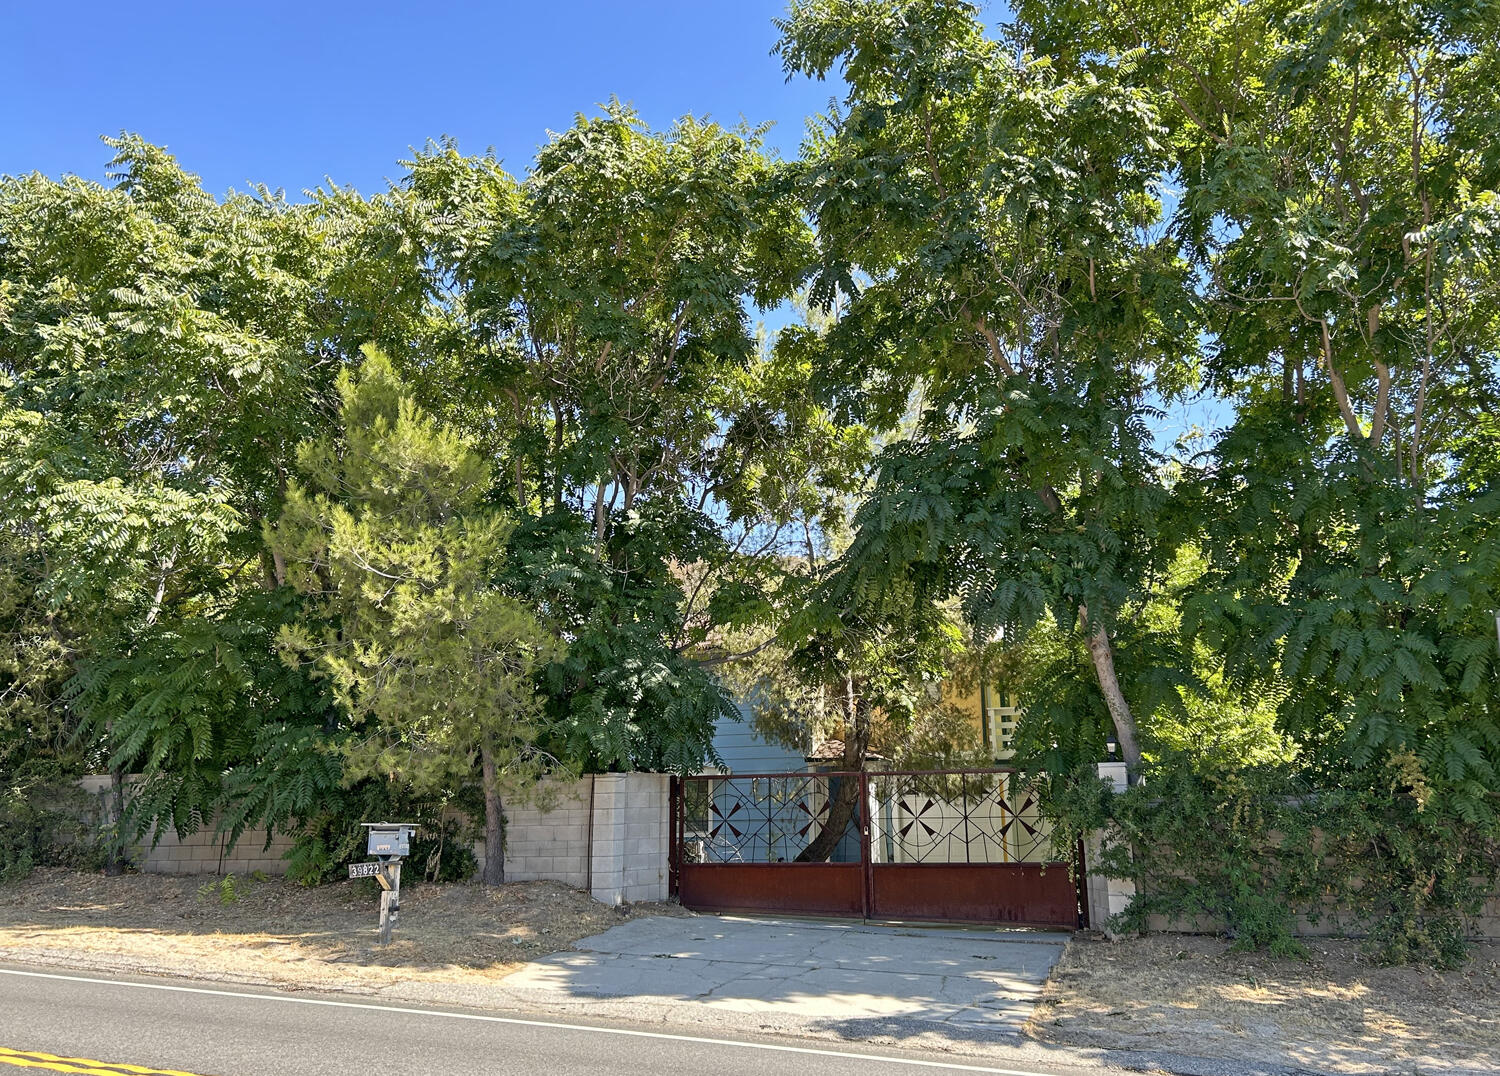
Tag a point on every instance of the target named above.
point(287, 94)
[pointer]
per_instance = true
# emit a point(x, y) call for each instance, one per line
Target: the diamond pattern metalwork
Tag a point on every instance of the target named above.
point(956, 818)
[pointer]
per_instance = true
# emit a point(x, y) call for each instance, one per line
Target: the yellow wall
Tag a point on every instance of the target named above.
point(965, 698)
point(971, 701)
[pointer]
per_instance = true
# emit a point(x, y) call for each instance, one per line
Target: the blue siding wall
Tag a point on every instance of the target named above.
point(754, 821)
point(745, 752)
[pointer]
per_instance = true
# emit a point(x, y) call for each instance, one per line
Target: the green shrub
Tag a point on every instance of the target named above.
point(441, 848)
point(47, 822)
point(442, 852)
point(1251, 852)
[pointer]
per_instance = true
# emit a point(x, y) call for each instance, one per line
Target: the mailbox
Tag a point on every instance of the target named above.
point(389, 838)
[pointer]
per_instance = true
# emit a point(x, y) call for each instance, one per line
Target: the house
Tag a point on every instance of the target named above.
point(993, 713)
point(742, 749)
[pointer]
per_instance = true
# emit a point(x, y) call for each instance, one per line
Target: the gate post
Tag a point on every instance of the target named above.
point(1081, 866)
point(674, 835)
point(1105, 897)
point(866, 860)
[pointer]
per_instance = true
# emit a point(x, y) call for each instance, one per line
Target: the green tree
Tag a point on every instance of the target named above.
point(435, 665)
point(1199, 716)
point(1337, 184)
point(1339, 203)
point(160, 358)
point(599, 352)
point(995, 225)
point(36, 724)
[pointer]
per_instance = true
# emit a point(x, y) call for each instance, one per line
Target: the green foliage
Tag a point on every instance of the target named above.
point(328, 840)
point(1192, 709)
point(1341, 218)
point(432, 662)
point(622, 697)
point(1384, 623)
point(46, 821)
point(225, 891)
point(442, 852)
point(435, 665)
point(1251, 851)
point(37, 728)
point(222, 733)
point(994, 225)
point(938, 736)
point(161, 353)
point(1014, 292)
point(580, 436)
point(609, 368)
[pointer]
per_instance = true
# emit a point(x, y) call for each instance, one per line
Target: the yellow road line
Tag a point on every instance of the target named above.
point(54, 1066)
point(36, 1059)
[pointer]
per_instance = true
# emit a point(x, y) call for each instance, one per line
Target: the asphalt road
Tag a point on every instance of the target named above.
point(59, 1021)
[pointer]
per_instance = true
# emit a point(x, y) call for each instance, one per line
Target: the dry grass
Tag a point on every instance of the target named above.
point(1333, 1012)
point(275, 933)
point(1190, 995)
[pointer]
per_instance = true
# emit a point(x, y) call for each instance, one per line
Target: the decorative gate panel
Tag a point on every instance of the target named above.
point(966, 846)
point(739, 839)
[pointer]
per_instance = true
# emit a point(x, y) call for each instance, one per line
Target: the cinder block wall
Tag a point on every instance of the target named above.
point(1489, 921)
point(200, 853)
point(547, 837)
point(203, 853)
point(630, 837)
point(606, 833)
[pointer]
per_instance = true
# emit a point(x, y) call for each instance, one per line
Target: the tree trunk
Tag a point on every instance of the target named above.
point(494, 820)
point(601, 519)
point(1102, 651)
point(844, 804)
point(842, 808)
point(114, 865)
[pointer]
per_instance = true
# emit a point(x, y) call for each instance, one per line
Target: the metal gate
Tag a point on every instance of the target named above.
point(954, 845)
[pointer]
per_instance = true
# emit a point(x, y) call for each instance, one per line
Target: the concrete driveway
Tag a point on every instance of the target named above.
point(833, 976)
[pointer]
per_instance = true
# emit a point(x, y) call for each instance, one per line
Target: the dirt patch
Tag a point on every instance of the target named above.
point(274, 933)
point(1333, 1012)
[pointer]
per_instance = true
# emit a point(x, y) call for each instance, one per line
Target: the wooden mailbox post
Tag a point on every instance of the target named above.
point(389, 842)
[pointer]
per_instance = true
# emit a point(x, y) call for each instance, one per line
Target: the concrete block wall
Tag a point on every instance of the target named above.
point(547, 836)
point(1488, 924)
point(631, 831)
point(203, 852)
point(621, 857)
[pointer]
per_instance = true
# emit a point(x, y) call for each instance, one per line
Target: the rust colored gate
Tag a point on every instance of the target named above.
point(956, 846)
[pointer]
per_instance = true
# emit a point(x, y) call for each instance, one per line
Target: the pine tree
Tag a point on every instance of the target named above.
point(434, 664)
